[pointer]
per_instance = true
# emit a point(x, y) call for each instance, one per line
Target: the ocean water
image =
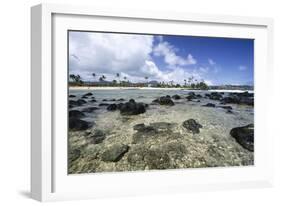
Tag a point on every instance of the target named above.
point(214, 136)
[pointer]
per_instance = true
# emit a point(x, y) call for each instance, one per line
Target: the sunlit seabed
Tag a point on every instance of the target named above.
point(176, 148)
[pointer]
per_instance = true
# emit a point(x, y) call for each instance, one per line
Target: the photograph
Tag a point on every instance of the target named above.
point(139, 102)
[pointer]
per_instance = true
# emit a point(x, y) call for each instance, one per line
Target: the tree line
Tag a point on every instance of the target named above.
point(191, 82)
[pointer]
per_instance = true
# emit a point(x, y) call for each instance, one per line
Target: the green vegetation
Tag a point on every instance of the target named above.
point(191, 83)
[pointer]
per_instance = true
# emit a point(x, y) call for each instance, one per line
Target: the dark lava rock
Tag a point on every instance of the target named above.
point(73, 155)
point(190, 97)
point(229, 111)
point(198, 96)
point(176, 97)
point(75, 114)
point(103, 104)
point(157, 159)
point(226, 107)
point(121, 99)
point(89, 109)
point(247, 101)
point(244, 136)
point(191, 93)
point(215, 96)
point(88, 94)
point(93, 100)
point(78, 124)
point(97, 137)
point(162, 126)
point(192, 126)
point(139, 126)
point(112, 107)
point(114, 153)
point(132, 108)
point(239, 98)
point(104, 100)
point(209, 105)
point(73, 103)
point(81, 102)
point(165, 100)
point(71, 96)
point(142, 157)
point(230, 100)
point(112, 100)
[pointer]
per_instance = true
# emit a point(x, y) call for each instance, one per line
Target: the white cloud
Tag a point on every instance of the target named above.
point(242, 68)
point(211, 62)
point(104, 53)
point(170, 57)
point(129, 55)
point(204, 69)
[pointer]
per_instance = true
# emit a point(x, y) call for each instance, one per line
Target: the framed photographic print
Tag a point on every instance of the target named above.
point(137, 102)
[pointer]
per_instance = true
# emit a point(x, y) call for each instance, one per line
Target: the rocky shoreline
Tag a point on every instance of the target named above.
point(173, 131)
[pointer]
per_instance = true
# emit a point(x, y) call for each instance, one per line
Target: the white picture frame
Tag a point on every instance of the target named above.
point(49, 179)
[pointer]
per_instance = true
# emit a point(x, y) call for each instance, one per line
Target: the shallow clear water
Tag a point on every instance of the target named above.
point(119, 129)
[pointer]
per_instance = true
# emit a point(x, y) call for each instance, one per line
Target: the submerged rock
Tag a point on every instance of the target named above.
point(79, 102)
point(209, 105)
point(192, 126)
point(215, 96)
point(114, 153)
point(164, 100)
point(121, 99)
point(176, 97)
point(76, 124)
point(112, 107)
point(244, 136)
point(97, 137)
point(72, 96)
point(73, 155)
point(132, 108)
point(153, 130)
point(144, 158)
point(226, 107)
point(88, 94)
point(75, 114)
point(89, 109)
point(103, 104)
point(239, 98)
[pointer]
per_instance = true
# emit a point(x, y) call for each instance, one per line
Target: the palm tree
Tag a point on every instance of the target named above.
point(118, 76)
point(146, 78)
point(94, 75)
point(72, 77)
point(104, 77)
point(184, 82)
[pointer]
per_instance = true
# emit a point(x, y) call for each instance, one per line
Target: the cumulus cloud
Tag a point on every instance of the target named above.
point(129, 55)
point(170, 57)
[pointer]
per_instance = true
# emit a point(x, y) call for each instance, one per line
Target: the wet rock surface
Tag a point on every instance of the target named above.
point(132, 108)
point(165, 100)
point(76, 124)
point(244, 136)
point(114, 153)
point(192, 125)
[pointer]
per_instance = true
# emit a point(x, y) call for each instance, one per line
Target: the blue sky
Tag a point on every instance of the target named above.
point(162, 58)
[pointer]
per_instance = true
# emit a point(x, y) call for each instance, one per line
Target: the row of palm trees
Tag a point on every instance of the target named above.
point(191, 82)
point(103, 77)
